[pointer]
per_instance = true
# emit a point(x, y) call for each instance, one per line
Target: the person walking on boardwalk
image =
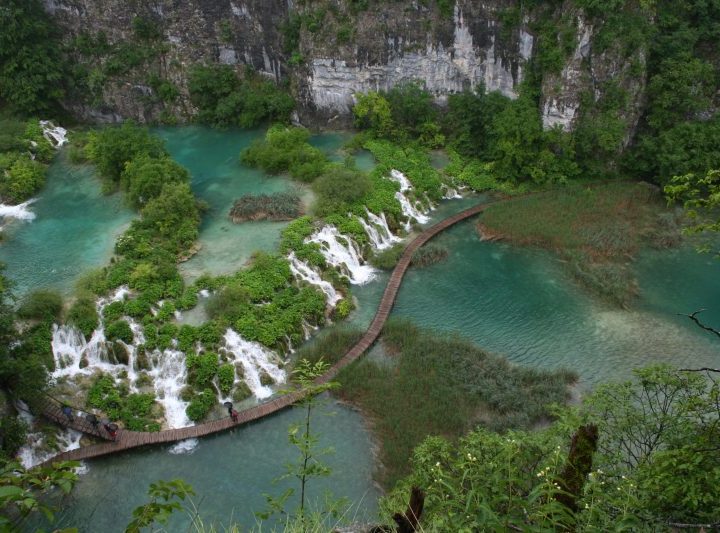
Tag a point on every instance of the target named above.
point(234, 415)
point(67, 411)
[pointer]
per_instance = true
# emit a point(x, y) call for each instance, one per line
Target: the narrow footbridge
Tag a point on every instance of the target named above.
point(133, 439)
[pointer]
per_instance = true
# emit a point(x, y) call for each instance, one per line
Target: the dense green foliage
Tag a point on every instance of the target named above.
point(24, 155)
point(417, 392)
point(701, 198)
point(223, 99)
point(24, 358)
point(41, 304)
point(429, 255)
point(652, 432)
point(25, 492)
point(286, 149)
point(144, 177)
point(31, 72)
point(117, 403)
point(83, 314)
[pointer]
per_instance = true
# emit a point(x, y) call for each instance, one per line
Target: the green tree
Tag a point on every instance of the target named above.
point(110, 149)
point(700, 197)
point(24, 178)
point(173, 216)
point(372, 111)
point(144, 176)
point(22, 491)
point(31, 68)
point(301, 436)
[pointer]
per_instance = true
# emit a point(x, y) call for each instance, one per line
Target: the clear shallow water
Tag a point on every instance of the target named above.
point(520, 303)
point(515, 302)
point(212, 157)
point(229, 473)
point(74, 230)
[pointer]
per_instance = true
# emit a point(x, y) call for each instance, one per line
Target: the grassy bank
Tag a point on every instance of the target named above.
point(434, 384)
point(597, 230)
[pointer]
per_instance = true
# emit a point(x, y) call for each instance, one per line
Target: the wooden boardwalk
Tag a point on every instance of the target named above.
point(133, 439)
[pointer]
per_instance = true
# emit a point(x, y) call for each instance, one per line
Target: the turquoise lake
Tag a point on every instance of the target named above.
point(511, 301)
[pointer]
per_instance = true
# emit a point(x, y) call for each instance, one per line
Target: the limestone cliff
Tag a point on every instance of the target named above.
point(341, 51)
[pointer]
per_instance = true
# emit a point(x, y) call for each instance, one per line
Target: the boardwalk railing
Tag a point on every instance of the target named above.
point(77, 419)
point(132, 439)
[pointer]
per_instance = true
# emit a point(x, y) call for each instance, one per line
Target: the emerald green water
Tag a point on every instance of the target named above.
point(512, 301)
point(75, 229)
point(229, 473)
point(218, 178)
point(520, 303)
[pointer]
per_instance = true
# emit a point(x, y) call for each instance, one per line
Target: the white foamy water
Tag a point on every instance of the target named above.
point(378, 231)
point(33, 452)
point(169, 373)
point(411, 210)
point(304, 272)
point(254, 359)
point(451, 193)
point(19, 211)
point(184, 447)
point(55, 134)
point(341, 252)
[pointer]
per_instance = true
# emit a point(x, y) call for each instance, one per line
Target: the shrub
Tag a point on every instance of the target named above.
point(201, 405)
point(339, 189)
point(387, 259)
point(41, 304)
point(429, 255)
point(22, 180)
point(203, 368)
point(83, 314)
point(113, 311)
point(144, 176)
point(278, 206)
point(286, 149)
point(119, 330)
point(226, 378)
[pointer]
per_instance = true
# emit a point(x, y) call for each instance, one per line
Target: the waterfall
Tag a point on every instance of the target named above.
point(169, 373)
point(55, 134)
point(254, 359)
point(341, 252)
point(32, 452)
point(451, 193)
point(378, 231)
point(303, 271)
point(412, 211)
point(19, 211)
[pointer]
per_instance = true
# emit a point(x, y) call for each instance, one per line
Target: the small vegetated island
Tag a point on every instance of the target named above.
point(577, 126)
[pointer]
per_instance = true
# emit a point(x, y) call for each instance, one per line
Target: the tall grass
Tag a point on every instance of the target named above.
point(330, 345)
point(429, 255)
point(596, 229)
point(442, 385)
point(278, 206)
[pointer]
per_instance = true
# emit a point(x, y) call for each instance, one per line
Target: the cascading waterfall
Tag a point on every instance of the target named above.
point(341, 252)
point(378, 231)
point(19, 211)
point(451, 193)
point(33, 452)
point(302, 271)
point(169, 373)
point(55, 134)
point(254, 359)
point(412, 211)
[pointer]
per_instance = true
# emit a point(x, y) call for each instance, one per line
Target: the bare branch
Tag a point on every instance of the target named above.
point(703, 369)
point(694, 318)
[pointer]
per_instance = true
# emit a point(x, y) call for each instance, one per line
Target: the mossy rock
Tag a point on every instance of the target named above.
point(144, 380)
point(187, 393)
point(117, 354)
point(142, 361)
point(266, 379)
point(156, 411)
point(241, 392)
point(239, 371)
point(83, 362)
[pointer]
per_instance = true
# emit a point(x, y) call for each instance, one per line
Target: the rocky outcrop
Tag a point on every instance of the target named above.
point(345, 51)
point(395, 44)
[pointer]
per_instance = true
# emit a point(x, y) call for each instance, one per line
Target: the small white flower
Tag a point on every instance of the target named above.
point(437, 464)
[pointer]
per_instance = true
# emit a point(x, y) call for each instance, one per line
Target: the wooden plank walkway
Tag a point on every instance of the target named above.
point(132, 439)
